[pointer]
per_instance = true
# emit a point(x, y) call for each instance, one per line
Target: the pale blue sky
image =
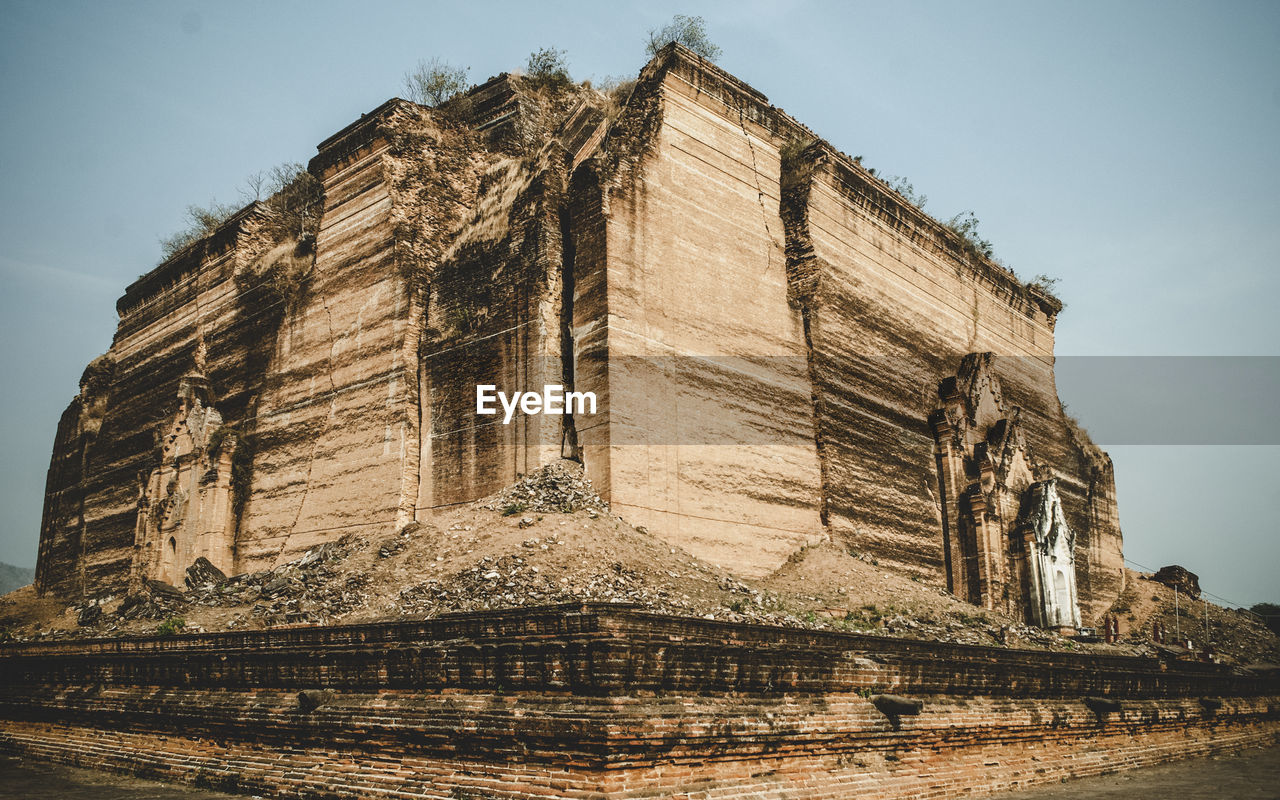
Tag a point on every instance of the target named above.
point(1128, 148)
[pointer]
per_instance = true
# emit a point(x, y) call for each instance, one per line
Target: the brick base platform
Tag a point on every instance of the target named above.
point(609, 702)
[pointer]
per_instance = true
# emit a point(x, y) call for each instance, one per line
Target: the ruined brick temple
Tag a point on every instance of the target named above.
point(711, 270)
point(785, 351)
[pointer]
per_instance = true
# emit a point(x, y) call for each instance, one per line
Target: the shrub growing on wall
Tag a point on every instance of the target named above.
point(688, 31)
point(434, 81)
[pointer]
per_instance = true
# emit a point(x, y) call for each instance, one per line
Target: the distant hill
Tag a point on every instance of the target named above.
point(12, 577)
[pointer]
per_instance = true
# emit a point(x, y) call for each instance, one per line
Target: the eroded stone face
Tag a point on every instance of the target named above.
point(763, 322)
point(184, 506)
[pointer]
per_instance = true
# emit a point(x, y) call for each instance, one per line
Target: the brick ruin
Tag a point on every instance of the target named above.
point(710, 269)
point(605, 702)
point(716, 275)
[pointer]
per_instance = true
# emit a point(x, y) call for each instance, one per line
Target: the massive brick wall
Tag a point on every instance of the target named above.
point(605, 702)
point(764, 323)
point(495, 319)
point(108, 438)
point(683, 282)
point(812, 332)
point(437, 266)
point(895, 302)
point(329, 422)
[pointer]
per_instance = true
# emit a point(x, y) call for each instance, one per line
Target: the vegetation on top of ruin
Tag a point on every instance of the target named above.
point(965, 226)
point(292, 198)
point(548, 68)
point(616, 90)
point(435, 82)
point(275, 248)
point(791, 150)
point(1045, 284)
point(688, 31)
point(903, 187)
point(202, 221)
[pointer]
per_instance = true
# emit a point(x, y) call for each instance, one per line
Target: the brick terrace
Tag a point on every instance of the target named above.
point(603, 701)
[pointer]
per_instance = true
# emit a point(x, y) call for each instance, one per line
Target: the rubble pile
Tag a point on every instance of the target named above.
point(308, 589)
point(549, 539)
point(557, 487)
point(511, 582)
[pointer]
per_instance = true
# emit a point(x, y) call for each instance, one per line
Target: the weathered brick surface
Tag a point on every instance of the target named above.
point(765, 336)
point(601, 701)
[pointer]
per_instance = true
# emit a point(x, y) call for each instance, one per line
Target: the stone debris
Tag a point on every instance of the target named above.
point(162, 589)
point(1180, 578)
point(89, 615)
point(203, 573)
point(308, 589)
point(558, 487)
point(562, 545)
point(511, 582)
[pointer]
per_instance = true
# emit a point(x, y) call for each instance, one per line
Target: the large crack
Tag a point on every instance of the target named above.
point(755, 175)
point(569, 438)
point(803, 270)
point(411, 405)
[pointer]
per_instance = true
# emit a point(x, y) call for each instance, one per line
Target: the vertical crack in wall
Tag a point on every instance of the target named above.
point(937, 420)
point(272, 265)
point(975, 318)
point(411, 406)
point(424, 492)
point(799, 162)
point(569, 441)
point(432, 169)
point(816, 402)
point(755, 175)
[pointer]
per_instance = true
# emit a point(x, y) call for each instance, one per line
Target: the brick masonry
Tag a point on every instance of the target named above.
point(606, 701)
point(700, 261)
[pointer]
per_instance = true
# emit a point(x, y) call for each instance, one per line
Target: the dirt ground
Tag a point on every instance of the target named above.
point(550, 539)
point(1235, 636)
point(1247, 775)
point(26, 779)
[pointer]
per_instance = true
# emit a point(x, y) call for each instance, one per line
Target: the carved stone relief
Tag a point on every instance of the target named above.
point(184, 502)
point(1006, 543)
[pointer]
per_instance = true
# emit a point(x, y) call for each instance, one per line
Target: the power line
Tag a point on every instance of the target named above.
point(1202, 591)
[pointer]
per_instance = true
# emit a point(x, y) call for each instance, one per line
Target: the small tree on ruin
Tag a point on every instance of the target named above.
point(435, 81)
point(688, 31)
point(548, 67)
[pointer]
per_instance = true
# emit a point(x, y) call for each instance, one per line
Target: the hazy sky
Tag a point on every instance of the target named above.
point(1130, 149)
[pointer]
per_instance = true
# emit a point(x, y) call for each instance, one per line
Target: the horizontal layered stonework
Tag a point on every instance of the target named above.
point(766, 326)
point(607, 701)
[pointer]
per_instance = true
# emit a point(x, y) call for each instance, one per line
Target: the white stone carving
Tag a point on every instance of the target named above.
point(1051, 559)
